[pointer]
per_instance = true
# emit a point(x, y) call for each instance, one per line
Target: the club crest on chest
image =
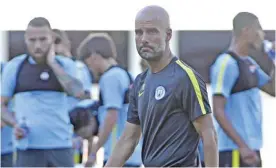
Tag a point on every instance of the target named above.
point(160, 92)
point(44, 76)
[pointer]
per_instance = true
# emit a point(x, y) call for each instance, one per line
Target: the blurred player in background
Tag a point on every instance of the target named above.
point(40, 82)
point(7, 147)
point(81, 116)
point(99, 52)
point(168, 103)
point(235, 81)
point(270, 48)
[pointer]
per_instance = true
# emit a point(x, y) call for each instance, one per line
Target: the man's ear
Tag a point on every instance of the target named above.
point(53, 36)
point(25, 38)
point(169, 34)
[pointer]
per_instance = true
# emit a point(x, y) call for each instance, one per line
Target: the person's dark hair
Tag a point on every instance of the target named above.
point(39, 22)
point(62, 36)
point(242, 20)
point(100, 43)
point(79, 117)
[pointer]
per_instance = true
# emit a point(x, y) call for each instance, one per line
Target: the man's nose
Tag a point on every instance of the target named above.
point(37, 44)
point(145, 39)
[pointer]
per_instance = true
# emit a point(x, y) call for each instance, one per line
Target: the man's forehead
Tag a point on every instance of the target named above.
point(148, 23)
point(152, 21)
point(38, 30)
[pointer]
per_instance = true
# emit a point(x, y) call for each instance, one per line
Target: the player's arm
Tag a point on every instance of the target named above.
point(125, 146)
point(6, 115)
point(7, 90)
point(109, 123)
point(130, 137)
point(223, 77)
point(87, 132)
point(205, 128)
point(70, 84)
point(111, 90)
point(65, 75)
point(195, 102)
point(219, 102)
point(263, 77)
point(86, 79)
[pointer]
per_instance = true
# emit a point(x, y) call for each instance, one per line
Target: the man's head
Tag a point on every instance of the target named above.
point(246, 26)
point(80, 118)
point(96, 50)
point(62, 43)
point(153, 32)
point(39, 37)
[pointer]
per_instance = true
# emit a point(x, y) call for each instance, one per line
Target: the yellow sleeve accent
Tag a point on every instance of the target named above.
point(220, 78)
point(194, 83)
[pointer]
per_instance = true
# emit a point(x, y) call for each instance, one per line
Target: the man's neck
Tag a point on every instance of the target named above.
point(68, 54)
point(157, 66)
point(39, 61)
point(110, 62)
point(239, 46)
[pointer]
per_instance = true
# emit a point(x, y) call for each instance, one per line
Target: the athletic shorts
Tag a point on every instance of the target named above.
point(233, 159)
point(7, 160)
point(45, 158)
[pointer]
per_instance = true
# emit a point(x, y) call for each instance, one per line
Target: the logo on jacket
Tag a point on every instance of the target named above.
point(141, 91)
point(252, 68)
point(44, 76)
point(159, 92)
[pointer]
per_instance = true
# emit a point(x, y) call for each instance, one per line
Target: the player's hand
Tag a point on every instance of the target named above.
point(51, 55)
point(19, 132)
point(249, 156)
point(91, 160)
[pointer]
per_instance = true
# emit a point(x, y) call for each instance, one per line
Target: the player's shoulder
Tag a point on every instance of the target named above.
point(225, 59)
point(140, 79)
point(183, 71)
point(17, 59)
point(80, 64)
point(64, 60)
point(15, 62)
point(114, 72)
point(141, 76)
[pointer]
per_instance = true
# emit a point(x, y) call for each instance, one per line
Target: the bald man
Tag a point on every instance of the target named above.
point(168, 103)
